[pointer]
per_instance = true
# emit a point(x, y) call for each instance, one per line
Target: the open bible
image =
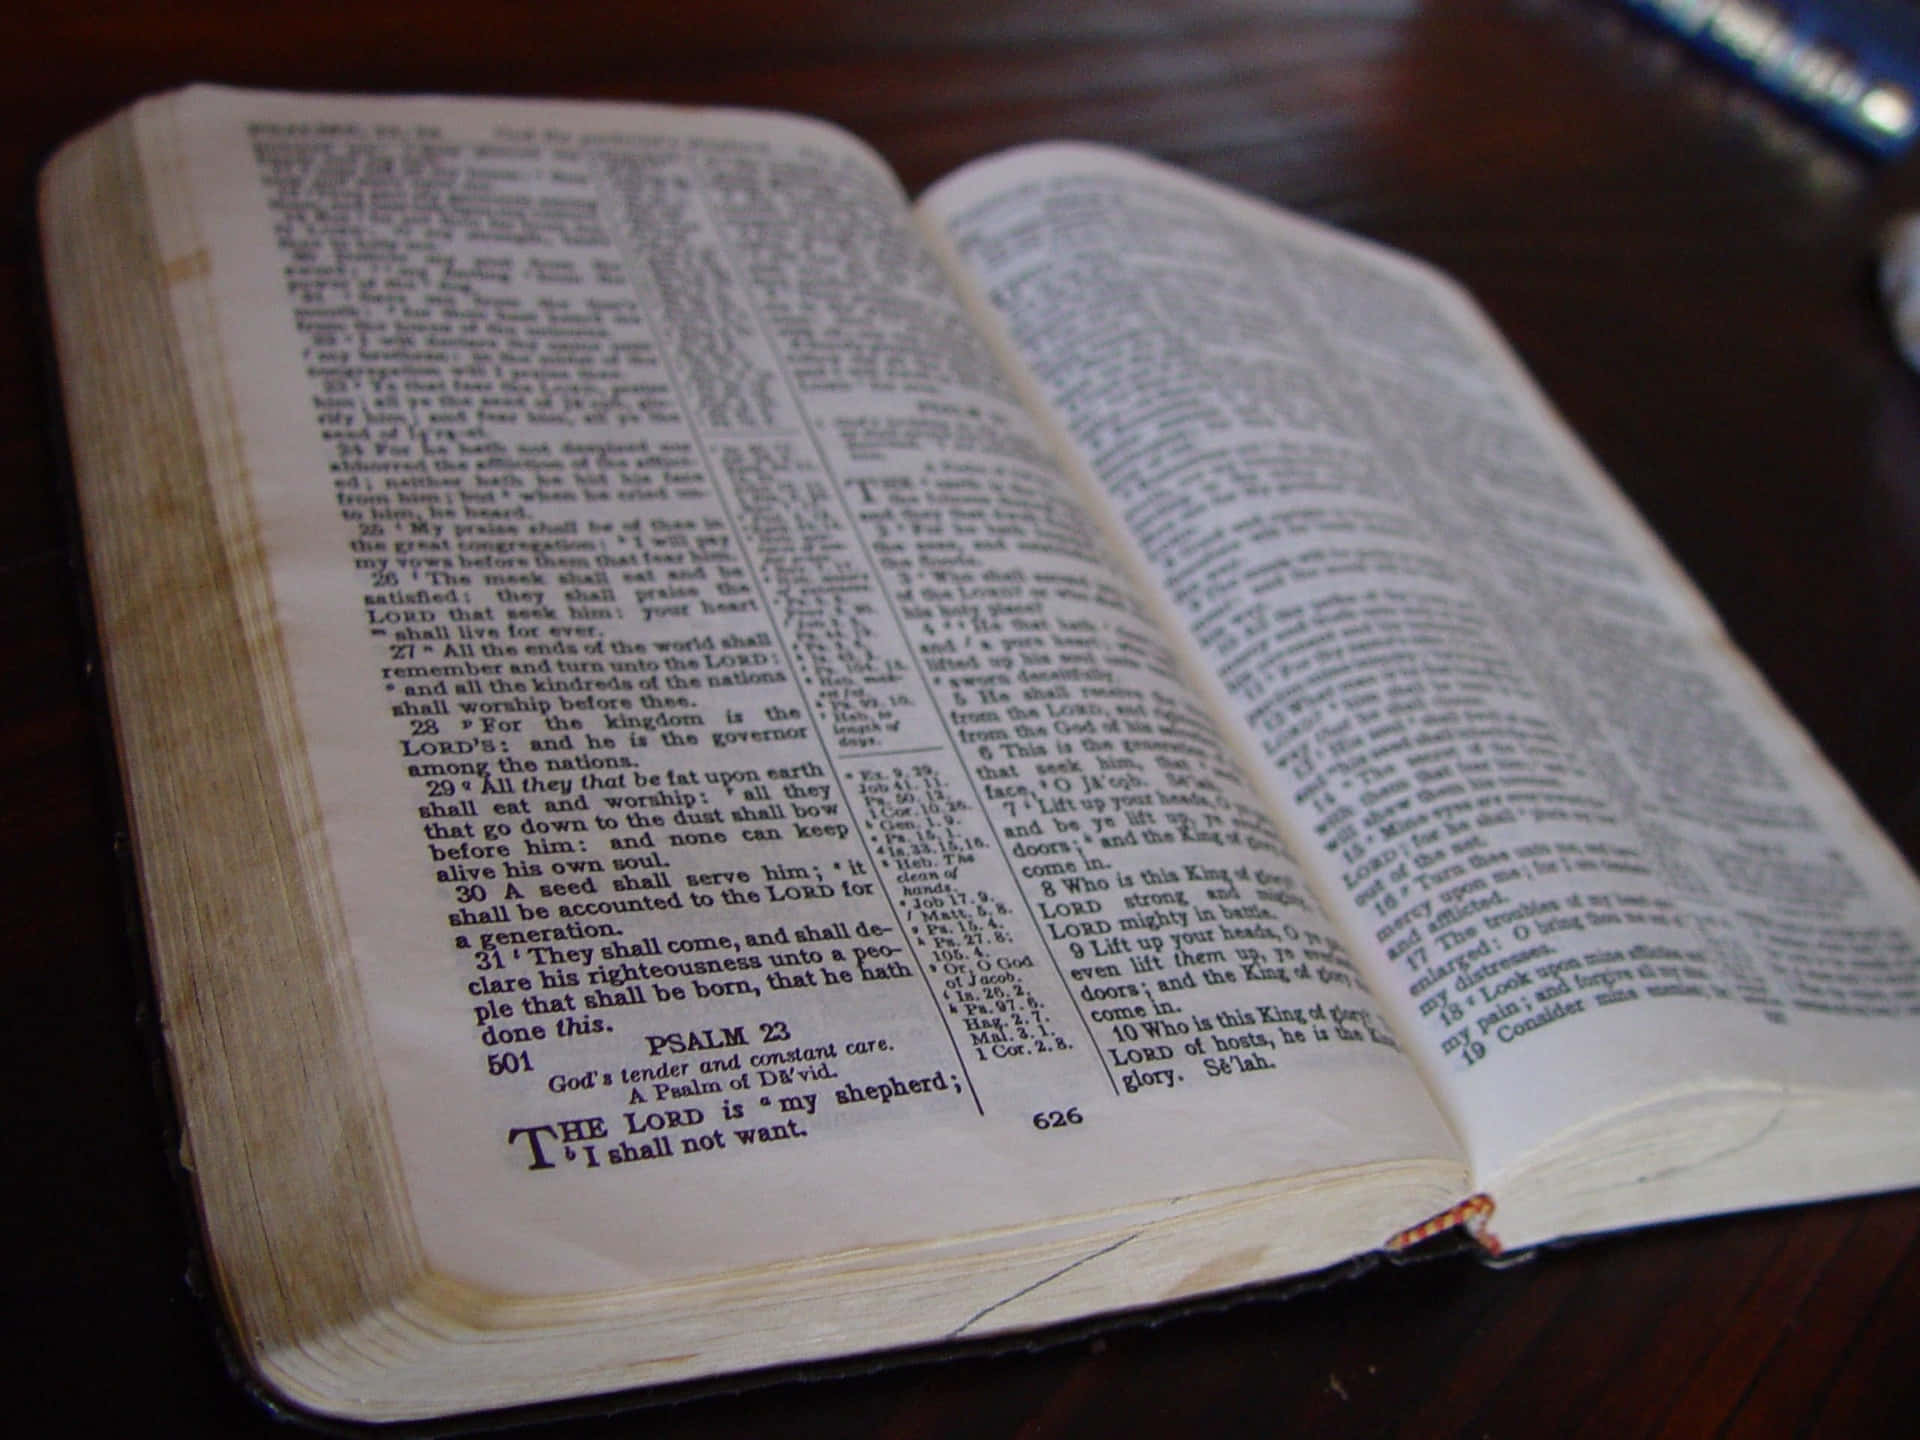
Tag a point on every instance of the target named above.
point(727, 770)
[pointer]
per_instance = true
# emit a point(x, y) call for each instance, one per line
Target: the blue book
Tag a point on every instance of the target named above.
point(1853, 66)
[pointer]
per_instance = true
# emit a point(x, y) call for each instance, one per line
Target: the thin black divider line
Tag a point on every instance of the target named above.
point(981, 1314)
point(647, 292)
point(926, 685)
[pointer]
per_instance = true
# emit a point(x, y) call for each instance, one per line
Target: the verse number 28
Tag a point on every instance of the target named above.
point(1055, 1119)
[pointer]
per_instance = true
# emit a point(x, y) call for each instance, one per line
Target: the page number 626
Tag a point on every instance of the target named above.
point(1055, 1119)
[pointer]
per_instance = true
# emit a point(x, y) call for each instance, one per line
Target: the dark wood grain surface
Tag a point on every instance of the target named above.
point(1688, 276)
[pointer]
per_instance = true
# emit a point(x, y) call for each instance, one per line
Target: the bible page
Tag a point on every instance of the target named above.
point(766, 824)
point(1590, 865)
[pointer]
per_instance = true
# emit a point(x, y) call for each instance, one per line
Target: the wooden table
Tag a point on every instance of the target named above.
point(1686, 272)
